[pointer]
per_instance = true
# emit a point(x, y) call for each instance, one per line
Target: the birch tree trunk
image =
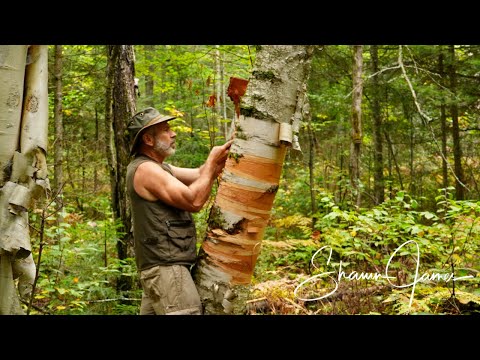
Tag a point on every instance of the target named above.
point(269, 120)
point(122, 65)
point(356, 142)
point(23, 166)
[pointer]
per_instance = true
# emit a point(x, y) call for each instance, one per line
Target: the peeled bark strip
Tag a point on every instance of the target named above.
point(271, 112)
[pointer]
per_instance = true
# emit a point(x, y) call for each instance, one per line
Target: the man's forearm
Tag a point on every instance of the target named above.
point(202, 187)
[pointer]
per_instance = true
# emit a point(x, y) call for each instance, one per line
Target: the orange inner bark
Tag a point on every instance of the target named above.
point(237, 254)
point(254, 167)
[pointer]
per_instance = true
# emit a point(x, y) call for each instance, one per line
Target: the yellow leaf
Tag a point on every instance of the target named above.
point(353, 233)
point(61, 307)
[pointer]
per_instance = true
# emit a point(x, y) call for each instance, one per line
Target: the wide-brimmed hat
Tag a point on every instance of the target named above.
point(142, 120)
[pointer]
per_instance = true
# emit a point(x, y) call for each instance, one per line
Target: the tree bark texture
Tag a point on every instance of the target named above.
point(123, 108)
point(270, 115)
point(23, 165)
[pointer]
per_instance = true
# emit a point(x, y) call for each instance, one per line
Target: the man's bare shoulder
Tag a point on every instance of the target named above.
point(149, 167)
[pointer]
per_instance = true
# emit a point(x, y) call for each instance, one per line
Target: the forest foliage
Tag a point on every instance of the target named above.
point(315, 205)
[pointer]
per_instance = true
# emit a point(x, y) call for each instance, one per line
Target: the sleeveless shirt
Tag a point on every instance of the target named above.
point(163, 234)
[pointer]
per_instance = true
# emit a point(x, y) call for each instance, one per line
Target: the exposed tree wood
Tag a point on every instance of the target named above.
point(270, 114)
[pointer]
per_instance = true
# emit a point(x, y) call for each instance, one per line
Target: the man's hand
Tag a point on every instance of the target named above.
point(189, 189)
point(218, 156)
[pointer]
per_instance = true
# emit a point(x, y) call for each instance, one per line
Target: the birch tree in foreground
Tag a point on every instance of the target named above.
point(23, 166)
point(269, 119)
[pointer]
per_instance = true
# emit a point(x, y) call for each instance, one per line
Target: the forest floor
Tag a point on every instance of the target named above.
point(283, 265)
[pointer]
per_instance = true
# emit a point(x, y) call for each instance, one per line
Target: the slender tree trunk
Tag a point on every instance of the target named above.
point(269, 120)
point(394, 160)
point(109, 149)
point(23, 165)
point(356, 137)
point(83, 161)
point(58, 116)
point(457, 148)
point(311, 168)
point(222, 127)
point(224, 96)
point(413, 175)
point(123, 108)
point(379, 185)
point(338, 184)
point(443, 123)
point(97, 141)
point(149, 83)
point(389, 161)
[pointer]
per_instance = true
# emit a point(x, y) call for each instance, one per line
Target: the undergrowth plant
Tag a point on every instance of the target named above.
point(79, 267)
point(391, 240)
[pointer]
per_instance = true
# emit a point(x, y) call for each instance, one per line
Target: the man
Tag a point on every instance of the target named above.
point(162, 198)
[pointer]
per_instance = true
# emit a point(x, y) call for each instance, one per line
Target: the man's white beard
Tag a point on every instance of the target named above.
point(163, 149)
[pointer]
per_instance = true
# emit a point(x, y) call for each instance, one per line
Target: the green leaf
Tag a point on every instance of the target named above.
point(428, 215)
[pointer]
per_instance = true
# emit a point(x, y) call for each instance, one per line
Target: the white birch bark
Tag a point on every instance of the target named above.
point(12, 74)
point(270, 115)
point(23, 139)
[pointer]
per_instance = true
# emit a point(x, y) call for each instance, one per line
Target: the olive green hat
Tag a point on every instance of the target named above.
point(142, 120)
